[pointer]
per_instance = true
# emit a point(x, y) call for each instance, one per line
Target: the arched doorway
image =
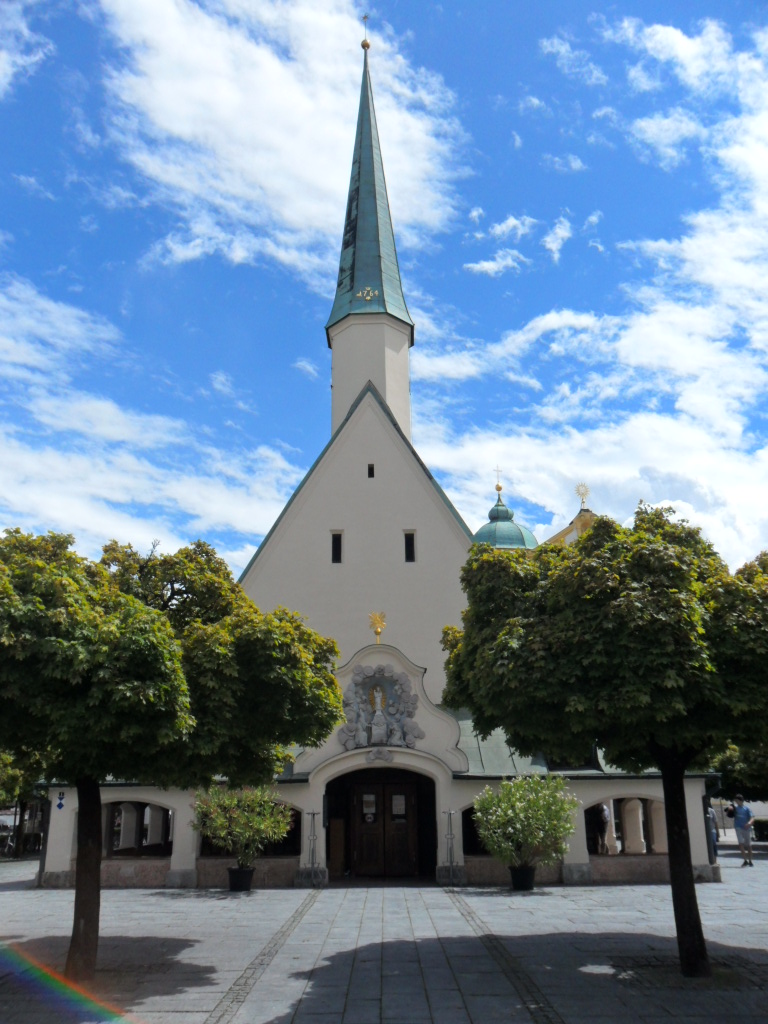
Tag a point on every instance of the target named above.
point(381, 824)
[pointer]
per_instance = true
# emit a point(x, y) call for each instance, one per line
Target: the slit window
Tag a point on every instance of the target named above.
point(335, 547)
point(410, 547)
point(370, 470)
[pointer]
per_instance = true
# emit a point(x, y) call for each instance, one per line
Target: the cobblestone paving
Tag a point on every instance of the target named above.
point(400, 955)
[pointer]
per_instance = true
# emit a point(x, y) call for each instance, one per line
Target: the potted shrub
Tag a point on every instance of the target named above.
point(241, 822)
point(526, 823)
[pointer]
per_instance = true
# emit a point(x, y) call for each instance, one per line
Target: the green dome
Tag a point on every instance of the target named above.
point(502, 531)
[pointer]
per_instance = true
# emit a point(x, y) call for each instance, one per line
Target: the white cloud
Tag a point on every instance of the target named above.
point(664, 401)
point(575, 63)
point(218, 114)
point(21, 49)
point(503, 260)
point(40, 336)
point(564, 164)
point(593, 219)
point(101, 418)
point(307, 367)
point(532, 104)
point(30, 184)
point(641, 80)
point(665, 133)
point(517, 142)
point(476, 214)
point(517, 226)
point(81, 462)
point(556, 238)
point(222, 383)
point(704, 63)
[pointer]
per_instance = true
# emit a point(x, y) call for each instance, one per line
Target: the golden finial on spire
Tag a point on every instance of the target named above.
point(582, 491)
point(499, 488)
point(365, 44)
point(377, 621)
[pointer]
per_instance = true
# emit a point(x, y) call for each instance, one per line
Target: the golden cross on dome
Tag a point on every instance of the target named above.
point(497, 471)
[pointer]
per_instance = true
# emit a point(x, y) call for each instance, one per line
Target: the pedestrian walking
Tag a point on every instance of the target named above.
point(742, 822)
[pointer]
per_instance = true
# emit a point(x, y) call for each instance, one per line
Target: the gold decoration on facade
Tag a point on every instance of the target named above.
point(582, 492)
point(367, 294)
point(377, 621)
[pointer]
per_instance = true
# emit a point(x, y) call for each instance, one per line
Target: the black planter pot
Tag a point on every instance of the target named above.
point(522, 878)
point(240, 879)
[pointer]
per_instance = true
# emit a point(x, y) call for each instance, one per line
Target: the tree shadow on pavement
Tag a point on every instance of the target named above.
point(130, 972)
point(563, 976)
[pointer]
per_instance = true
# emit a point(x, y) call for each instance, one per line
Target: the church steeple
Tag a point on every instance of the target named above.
point(369, 275)
point(369, 330)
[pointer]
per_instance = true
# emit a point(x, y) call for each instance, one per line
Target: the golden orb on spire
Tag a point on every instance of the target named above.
point(365, 44)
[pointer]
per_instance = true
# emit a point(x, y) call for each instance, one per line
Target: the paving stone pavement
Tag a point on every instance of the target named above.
point(388, 955)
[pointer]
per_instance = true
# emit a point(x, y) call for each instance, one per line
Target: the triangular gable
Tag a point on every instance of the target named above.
point(369, 389)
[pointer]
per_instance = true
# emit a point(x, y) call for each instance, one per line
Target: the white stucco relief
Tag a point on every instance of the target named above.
point(387, 711)
point(380, 708)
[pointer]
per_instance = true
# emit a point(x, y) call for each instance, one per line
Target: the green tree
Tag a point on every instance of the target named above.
point(639, 640)
point(258, 682)
point(155, 669)
point(92, 677)
point(743, 770)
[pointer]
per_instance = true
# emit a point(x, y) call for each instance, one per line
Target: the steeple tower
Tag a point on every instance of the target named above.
point(369, 330)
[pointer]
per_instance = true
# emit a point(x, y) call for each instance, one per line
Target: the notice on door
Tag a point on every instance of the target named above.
point(398, 805)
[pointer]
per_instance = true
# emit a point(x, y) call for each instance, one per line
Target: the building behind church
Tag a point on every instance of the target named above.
point(369, 549)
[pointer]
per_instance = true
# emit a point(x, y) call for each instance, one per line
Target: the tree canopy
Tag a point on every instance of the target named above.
point(153, 669)
point(743, 770)
point(639, 640)
point(258, 681)
point(87, 674)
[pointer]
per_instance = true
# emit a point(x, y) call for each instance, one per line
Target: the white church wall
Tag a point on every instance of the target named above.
point(294, 567)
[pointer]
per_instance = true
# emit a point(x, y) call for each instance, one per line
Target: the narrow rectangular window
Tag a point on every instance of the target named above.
point(335, 547)
point(410, 547)
point(370, 469)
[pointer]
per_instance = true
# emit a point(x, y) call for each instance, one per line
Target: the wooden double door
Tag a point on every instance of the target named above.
point(384, 829)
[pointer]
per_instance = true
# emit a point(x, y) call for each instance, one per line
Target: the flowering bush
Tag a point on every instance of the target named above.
point(241, 821)
point(527, 821)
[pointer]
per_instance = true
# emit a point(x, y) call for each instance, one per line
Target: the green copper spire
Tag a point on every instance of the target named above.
point(369, 277)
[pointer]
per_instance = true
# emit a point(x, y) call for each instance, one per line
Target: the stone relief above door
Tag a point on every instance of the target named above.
point(380, 708)
point(389, 718)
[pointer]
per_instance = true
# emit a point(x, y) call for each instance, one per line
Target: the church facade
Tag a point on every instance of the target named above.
point(369, 550)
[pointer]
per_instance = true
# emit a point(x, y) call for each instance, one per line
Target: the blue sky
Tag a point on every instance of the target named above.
point(580, 199)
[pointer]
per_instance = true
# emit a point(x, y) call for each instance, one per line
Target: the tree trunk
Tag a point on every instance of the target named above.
point(694, 959)
point(83, 947)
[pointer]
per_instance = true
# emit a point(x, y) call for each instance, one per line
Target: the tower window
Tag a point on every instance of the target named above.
point(370, 469)
point(410, 547)
point(335, 547)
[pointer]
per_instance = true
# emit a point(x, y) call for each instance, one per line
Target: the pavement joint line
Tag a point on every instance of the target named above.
point(531, 996)
point(240, 989)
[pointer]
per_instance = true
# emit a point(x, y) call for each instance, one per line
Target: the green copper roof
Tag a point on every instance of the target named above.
point(502, 531)
point(369, 276)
